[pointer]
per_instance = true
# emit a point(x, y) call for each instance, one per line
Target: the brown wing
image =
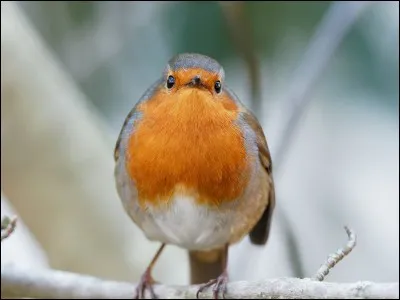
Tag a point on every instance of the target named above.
point(260, 232)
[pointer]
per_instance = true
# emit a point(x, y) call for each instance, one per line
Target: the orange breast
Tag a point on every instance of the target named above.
point(188, 139)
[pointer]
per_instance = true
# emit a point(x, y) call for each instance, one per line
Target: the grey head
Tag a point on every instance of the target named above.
point(194, 60)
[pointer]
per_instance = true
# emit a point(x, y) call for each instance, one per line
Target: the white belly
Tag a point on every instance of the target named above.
point(187, 225)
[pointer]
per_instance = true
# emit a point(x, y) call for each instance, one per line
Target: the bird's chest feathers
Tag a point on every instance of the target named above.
point(187, 142)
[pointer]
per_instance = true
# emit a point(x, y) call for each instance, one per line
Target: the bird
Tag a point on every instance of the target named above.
point(193, 170)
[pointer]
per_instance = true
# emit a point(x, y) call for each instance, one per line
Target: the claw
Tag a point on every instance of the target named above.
point(220, 286)
point(146, 283)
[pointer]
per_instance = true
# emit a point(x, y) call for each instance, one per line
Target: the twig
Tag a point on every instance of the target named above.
point(334, 258)
point(45, 284)
point(7, 227)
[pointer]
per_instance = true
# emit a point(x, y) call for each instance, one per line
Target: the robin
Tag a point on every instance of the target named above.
point(193, 169)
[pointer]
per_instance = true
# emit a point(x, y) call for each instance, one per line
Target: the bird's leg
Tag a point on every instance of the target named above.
point(220, 283)
point(147, 281)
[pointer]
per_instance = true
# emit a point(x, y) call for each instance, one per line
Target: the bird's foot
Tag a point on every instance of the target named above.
point(145, 283)
point(220, 286)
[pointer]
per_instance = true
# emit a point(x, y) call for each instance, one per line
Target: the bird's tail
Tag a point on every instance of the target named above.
point(206, 265)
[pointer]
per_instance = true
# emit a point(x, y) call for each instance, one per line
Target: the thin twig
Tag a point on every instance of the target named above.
point(334, 258)
point(44, 284)
point(7, 226)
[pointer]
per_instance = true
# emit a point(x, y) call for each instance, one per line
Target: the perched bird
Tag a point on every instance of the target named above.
point(193, 169)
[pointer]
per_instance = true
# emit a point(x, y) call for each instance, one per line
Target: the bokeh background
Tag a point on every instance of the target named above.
point(71, 71)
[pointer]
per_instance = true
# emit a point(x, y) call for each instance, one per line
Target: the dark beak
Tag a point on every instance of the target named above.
point(195, 82)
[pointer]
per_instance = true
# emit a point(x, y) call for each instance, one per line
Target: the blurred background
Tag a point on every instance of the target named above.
point(71, 72)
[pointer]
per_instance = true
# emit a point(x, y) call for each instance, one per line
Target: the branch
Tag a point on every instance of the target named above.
point(23, 282)
point(33, 283)
point(334, 258)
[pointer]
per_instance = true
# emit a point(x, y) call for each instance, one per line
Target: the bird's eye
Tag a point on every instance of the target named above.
point(217, 86)
point(170, 81)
